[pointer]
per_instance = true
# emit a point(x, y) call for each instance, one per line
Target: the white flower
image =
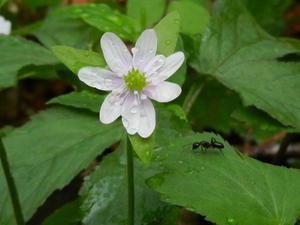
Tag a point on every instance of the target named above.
point(5, 26)
point(133, 80)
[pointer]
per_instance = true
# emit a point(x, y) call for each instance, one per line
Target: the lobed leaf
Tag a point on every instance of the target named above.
point(243, 57)
point(225, 186)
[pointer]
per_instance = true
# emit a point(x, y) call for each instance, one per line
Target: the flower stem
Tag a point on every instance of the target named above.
point(130, 177)
point(11, 186)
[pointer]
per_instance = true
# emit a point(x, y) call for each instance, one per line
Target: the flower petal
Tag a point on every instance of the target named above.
point(111, 108)
point(116, 54)
point(131, 113)
point(99, 78)
point(172, 64)
point(145, 49)
point(154, 65)
point(163, 92)
point(5, 26)
point(147, 118)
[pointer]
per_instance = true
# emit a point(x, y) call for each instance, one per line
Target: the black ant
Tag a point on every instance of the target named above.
point(205, 145)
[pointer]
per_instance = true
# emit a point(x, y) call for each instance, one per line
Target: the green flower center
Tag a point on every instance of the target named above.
point(135, 80)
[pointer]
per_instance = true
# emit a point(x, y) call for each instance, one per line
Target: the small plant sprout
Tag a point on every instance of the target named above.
point(5, 26)
point(133, 81)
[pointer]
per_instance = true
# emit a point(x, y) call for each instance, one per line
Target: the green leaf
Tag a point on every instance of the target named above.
point(178, 111)
point(45, 72)
point(105, 195)
point(143, 147)
point(17, 52)
point(81, 100)
point(167, 33)
point(180, 75)
point(61, 30)
point(146, 12)
point(194, 18)
point(46, 153)
point(225, 186)
point(75, 59)
point(269, 13)
point(102, 17)
point(263, 126)
point(69, 214)
point(244, 58)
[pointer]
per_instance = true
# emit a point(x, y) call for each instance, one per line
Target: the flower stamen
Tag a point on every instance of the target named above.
point(135, 80)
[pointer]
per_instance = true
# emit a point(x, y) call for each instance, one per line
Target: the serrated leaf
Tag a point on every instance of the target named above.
point(102, 17)
point(145, 12)
point(46, 153)
point(81, 100)
point(194, 18)
point(75, 59)
point(17, 52)
point(226, 186)
point(244, 58)
point(167, 33)
point(105, 195)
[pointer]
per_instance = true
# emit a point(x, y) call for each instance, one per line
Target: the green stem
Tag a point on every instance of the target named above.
point(11, 186)
point(130, 177)
point(191, 97)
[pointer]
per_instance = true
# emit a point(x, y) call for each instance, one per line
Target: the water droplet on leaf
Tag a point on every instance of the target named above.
point(167, 42)
point(231, 221)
